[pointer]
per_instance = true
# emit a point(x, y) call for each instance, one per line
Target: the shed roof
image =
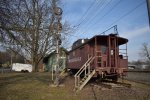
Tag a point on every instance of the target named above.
point(54, 52)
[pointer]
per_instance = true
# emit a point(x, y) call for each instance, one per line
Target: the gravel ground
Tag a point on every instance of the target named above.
point(137, 91)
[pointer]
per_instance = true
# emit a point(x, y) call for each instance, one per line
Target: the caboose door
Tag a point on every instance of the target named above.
point(112, 51)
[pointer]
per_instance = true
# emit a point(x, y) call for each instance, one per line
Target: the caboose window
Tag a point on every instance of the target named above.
point(73, 53)
point(81, 47)
point(103, 49)
point(112, 52)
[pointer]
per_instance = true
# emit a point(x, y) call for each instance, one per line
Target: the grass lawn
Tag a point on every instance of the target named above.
point(36, 86)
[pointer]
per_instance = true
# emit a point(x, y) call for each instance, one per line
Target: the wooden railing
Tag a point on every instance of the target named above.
point(85, 69)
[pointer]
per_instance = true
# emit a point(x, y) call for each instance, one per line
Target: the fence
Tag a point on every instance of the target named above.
point(5, 70)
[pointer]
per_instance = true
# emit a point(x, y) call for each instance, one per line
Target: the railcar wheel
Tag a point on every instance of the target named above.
point(100, 78)
point(115, 78)
point(72, 72)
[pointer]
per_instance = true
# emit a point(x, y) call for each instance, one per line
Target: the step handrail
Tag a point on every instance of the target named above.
point(82, 67)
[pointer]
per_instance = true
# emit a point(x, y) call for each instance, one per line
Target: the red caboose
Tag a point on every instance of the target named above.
point(99, 56)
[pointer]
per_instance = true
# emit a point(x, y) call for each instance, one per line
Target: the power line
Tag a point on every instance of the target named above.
point(84, 18)
point(86, 12)
point(129, 12)
point(98, 13)
point(108, 12)
point(122, 15)
point(106, 5)
point(100, 4)
point(74, 36)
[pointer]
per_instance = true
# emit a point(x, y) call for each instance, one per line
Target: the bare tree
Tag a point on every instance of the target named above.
point(26, 28)
point(145, 51)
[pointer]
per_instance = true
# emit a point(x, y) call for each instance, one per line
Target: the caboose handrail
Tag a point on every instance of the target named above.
point(86, 68)
point(83, 67)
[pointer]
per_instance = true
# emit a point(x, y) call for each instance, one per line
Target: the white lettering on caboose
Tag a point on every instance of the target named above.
point(74, 59)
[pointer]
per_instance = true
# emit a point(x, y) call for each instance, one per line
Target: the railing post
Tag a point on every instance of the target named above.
point(88, 69)
point(85, 70)
point(78, 80)
point(75, 81)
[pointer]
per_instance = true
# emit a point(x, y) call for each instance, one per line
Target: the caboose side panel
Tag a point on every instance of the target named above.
point(78, 57)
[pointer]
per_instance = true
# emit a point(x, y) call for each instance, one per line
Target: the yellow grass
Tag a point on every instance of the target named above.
point(36, 86)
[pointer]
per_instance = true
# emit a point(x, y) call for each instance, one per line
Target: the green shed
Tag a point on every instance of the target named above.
point(50, 60)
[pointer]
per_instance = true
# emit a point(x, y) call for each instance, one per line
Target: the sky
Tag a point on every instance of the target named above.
point(92, 17)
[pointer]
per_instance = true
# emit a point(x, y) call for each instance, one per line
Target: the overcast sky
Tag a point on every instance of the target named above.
point(92, 17)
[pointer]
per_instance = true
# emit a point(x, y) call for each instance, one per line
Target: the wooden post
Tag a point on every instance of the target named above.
point(109, 53)
point(56, 82)
point(96, 51)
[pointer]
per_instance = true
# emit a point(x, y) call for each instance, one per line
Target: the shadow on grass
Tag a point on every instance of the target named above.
point(4, 81)
point(28, 77)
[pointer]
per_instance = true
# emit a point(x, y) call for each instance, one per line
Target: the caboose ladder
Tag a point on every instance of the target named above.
point(85, 70)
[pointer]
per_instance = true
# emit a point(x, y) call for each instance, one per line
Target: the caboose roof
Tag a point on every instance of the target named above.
point(121, 40)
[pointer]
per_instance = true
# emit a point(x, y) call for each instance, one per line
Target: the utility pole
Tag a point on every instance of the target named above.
point(11, 58)
point(148, 9)
point(57, 27)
